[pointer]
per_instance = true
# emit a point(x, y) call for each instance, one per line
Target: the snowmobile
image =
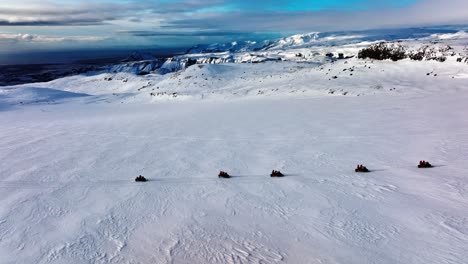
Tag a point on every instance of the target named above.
point(361, 168)
point(276, 173)
point(140, 179)
point(424, 164)
point(224, 175)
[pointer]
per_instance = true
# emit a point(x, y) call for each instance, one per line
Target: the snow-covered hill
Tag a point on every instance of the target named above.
point(236, 46)
point(71, 148)
point(248, 46)
point(311, 47)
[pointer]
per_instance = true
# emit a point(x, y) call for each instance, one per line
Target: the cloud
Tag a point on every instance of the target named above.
point(40, 13)
point(186, 6)
point(162, 33)
point(68, 22)
point(235, 15)
point(57, 14)
point(181, 22)
point(424, 12)
point(29, 38)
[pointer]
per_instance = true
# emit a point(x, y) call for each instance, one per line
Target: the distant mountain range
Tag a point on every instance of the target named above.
point(308, 47)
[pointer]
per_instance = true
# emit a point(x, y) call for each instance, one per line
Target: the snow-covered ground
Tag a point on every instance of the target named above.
point(71, 148)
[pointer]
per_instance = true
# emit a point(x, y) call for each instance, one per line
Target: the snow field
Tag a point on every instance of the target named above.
point(69, 196)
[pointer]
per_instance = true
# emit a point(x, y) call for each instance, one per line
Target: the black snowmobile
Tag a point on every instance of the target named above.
point(424, 164)
point(276, 173)
point(140, 179)
point(224, 175)
point(361, 168)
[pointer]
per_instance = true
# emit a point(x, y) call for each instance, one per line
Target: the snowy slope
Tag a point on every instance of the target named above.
point(71, 148)
point(352, 77)
point(68, 194)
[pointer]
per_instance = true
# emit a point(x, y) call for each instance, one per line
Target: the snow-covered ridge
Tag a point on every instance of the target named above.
point(295, 41)
point(295, 65)
point(457, 35)
point(236, 46)
point(312, 47)
point(302, 69)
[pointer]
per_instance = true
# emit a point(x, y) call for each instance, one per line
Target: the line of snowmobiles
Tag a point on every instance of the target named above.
point(277, 174)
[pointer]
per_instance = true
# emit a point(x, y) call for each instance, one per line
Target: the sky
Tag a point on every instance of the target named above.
point(27, 25)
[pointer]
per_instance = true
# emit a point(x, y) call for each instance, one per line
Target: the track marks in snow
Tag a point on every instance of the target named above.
point(385, 188)
point(362, 230)
point(87, 249)
point(458, 187)
point(198, 245)
point(456, 227)
point(166, 249)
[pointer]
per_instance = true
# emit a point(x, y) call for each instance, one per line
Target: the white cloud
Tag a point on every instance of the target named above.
point(202, 14)
point(29, 38)
point(156, 21)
